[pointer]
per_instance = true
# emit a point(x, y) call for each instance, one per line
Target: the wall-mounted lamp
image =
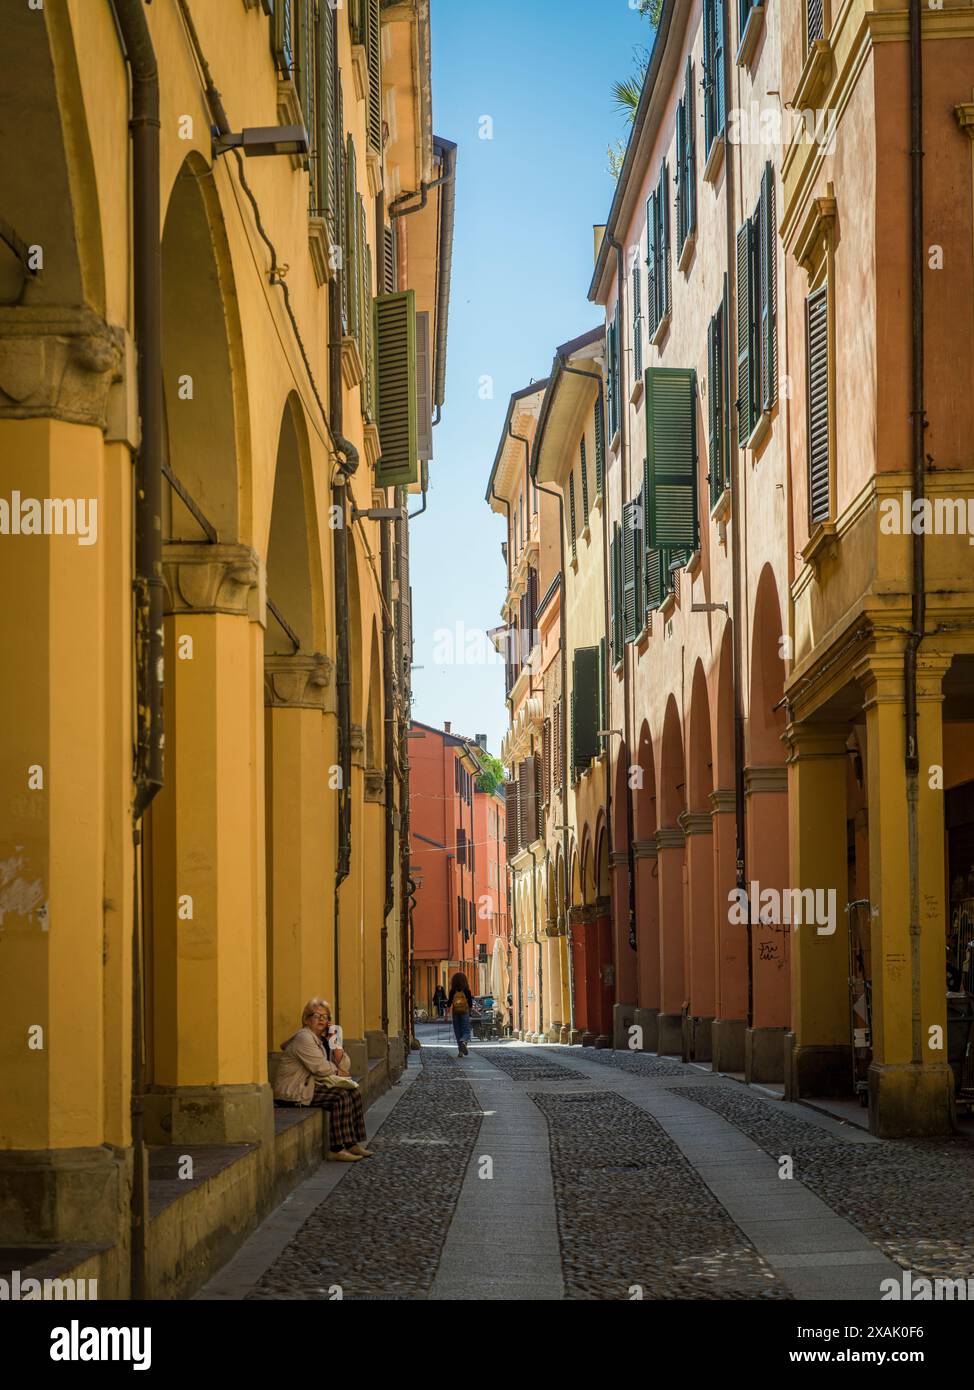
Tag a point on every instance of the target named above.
point(263, 140)
point(377, 514)
point(709, 608)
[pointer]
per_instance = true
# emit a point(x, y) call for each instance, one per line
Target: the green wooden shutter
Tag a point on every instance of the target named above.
point(282, 36)
point(373, 48)
point(615, 566)
point(769, 292)
point(637, 326)
point(657, 583)
point(572, 732)
point(671, 439)
point(630, 571)
point(720, 44)
point(599, 442)
point(709, 101)
point(572, 524)
point(663, 201)
point(617, 369)
point(585, 707)
point(395, 370)
point(745, 364)
point(353, 274)
point(583, 468)
point(679, 171)
point(713, 408)
point(341, 232)
point(326, 152)
point(368, 388)
point(603, 693)
point(610, 359)
point(652, 321)
point(690, 171)
point(817, 347)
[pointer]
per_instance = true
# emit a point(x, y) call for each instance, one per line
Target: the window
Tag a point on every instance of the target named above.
point(814, 21)
point(615, 568)
point(686, 192)
point(612, 367)
point(583, 469)
point(658, 254)
point(637, 324)
point(599, 442)
point(718, 456)
point(461, 847)
point(757, 304)
point(395, 389)
point(571, 514)
point(819, 426)
point(585, 709)
point(632, 588)
point(670, 485)
point(714, 30)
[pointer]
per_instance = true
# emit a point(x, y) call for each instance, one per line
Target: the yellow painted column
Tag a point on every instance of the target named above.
point(821, 1056)
point(300, 849)
point(373, 893)
point(209, 950)
point(909, 1080)
point(350, 995)
point(65, 794)
point(553, 982)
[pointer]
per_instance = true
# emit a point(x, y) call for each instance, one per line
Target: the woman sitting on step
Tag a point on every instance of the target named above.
point(314, 1070)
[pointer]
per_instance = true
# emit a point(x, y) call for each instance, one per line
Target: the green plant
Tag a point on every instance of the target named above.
point(492, 775)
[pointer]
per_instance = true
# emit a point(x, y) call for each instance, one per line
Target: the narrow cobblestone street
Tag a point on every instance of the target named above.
point(527, 1172)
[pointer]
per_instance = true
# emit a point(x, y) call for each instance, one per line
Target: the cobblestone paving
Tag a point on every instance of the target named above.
point(632, 1211)
point(380, 1233)
point(528, 1065)
point(912, 1197)
point(638, 1063)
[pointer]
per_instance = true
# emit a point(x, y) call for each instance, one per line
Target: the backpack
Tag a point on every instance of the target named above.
point(459, 1003)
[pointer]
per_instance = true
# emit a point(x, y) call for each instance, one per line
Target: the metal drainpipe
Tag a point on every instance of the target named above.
point(736, 582)
point(148, 603)
point(918, 556)
point(623, 480)
point(385, 571)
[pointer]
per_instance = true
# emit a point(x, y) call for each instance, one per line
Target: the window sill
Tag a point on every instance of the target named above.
point(668, 604)
point(373, 451)
point(663, 327)
point(598, 501)
point(289, 113)
point(573, 562)
point(715, 159)
point(823, 538)
point(360, 70)
point(721, 509)
point(636, 394)
point(319, 244)
point(586, 534)
point(686, 251)
point(642, 638)
point(760, 432)
point(816, 76)
point(693, 564)
point(353, 368)
point(614, 442)
point(750, 37)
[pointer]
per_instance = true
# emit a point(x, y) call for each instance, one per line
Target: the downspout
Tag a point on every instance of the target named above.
point(736, 580)
point(917, 550)
point(148, 597)
point(388, 696)
point(623, 488)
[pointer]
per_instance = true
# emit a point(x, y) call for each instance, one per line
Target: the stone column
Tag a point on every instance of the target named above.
point(670, 841)
point(698, 828)
point(646, 1014)
point(553, 980)
point(766, 800)
point(606, 971)
point(910, 1083)
point(206, 877)
point(66, 854)
point(730, 964)
point(624, 959)
point(583, 966)
point(300, 818)
point(820, 1042)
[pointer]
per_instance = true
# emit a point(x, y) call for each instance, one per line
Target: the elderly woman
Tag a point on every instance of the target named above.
point(314, 1070)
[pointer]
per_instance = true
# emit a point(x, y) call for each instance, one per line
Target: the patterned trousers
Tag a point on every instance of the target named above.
point(346, 1116)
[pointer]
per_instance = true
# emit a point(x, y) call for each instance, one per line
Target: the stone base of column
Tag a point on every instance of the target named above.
point(817, 1070)
point(554, 1033)
point(209, 1115)
point(588, 1038)
point(648, 1021)
point(908, 1101)
point(564, 1034)
point(358, 1054)
point(397, 1056)
point(669, 1040)
point(727, 1044)
point(623, 1016)
point(376, 1044)
point(764, 1054)
point(603, 1041)
point(697, 1046)
point(574, 1037)
point(65, 1196)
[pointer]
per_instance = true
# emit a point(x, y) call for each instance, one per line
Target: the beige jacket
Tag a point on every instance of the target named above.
point(302, 1063)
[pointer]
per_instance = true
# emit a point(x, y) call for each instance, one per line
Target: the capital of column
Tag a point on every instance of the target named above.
point(880, 673)
point(644, 849)
point(696, 823)
point(581, 914)
point(58, 362)
point(298, 682)
point(603, 906)
point(670, 837)
point(723, 801)
point(965, 117)
point(765, 779)
point(809, 741)
point(551, 927)
point(375, 784)
point(202, 578)
point(618, 859)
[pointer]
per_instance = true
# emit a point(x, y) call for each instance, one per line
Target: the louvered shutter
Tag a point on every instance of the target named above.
point(720, 43)
point(769, 292)
point(817, 345)
point(690, 177)
point(373, 49)
point(816, 20)
point(583, 470)
point(353, 275)
point(327, 123)
point(630, 575)
point(663, 201)
point(538, 798)
point(679, 172)
point(603, 677)
point(585, 708)
point(615, 564)
point(556, 749)
point(599, 442)
point(709, 103)
point(637, 327)
point(368, 389)
point(308, 90)
point(652, 256)
point(282, 37)
point(713, 408)
point(571, 512)
point(364, 278)
point(671, 510)
point(388, 260)
point(745, 364)
point(610, 366)
point(546, 760)
point(395, 372)
point(424, 378)
point(510, 817)
point(529, 795)
point(572, 756)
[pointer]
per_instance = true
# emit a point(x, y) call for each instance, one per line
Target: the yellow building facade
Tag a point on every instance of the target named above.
point(224, 277)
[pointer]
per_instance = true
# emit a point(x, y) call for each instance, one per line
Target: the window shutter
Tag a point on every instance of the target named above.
point(571, 512)
point(663, 204)
point(671, 511)
point(690, 172)
point(583, 468)
point(615, 386)
point(388, 260)
point(713, 408)
point(720, 43)
point(364, 278)
point(341, 230)
point(610, 367)
point(816, 20)
point(679, 172)
point(327, 124)
point(769, 292)
point(817, 345)
point(373, 50)
point(546, 761)
point(745, 365)
point(368, 387)
point(585, 708)
point(556, 751)
point(352, 274)
point(529, 794)
point(307, 85)
point(615, 560)
point(709, 101)
point(637, 315)
point(630, 571)
point(538, 811)
point(424, 377)
point(572, 756)
point(282, 37)
point(657, 576)
point(652, 259)
point(603, 676)
point(395, 369)
point(599, 442)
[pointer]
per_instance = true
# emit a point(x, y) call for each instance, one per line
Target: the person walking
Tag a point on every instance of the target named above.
point(461, 1003)
point(439, 1001)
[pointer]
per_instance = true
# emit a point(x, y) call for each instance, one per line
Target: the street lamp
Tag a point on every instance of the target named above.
point(257, 141)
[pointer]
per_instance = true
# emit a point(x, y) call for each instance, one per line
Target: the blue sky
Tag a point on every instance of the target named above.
point(527, 199)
